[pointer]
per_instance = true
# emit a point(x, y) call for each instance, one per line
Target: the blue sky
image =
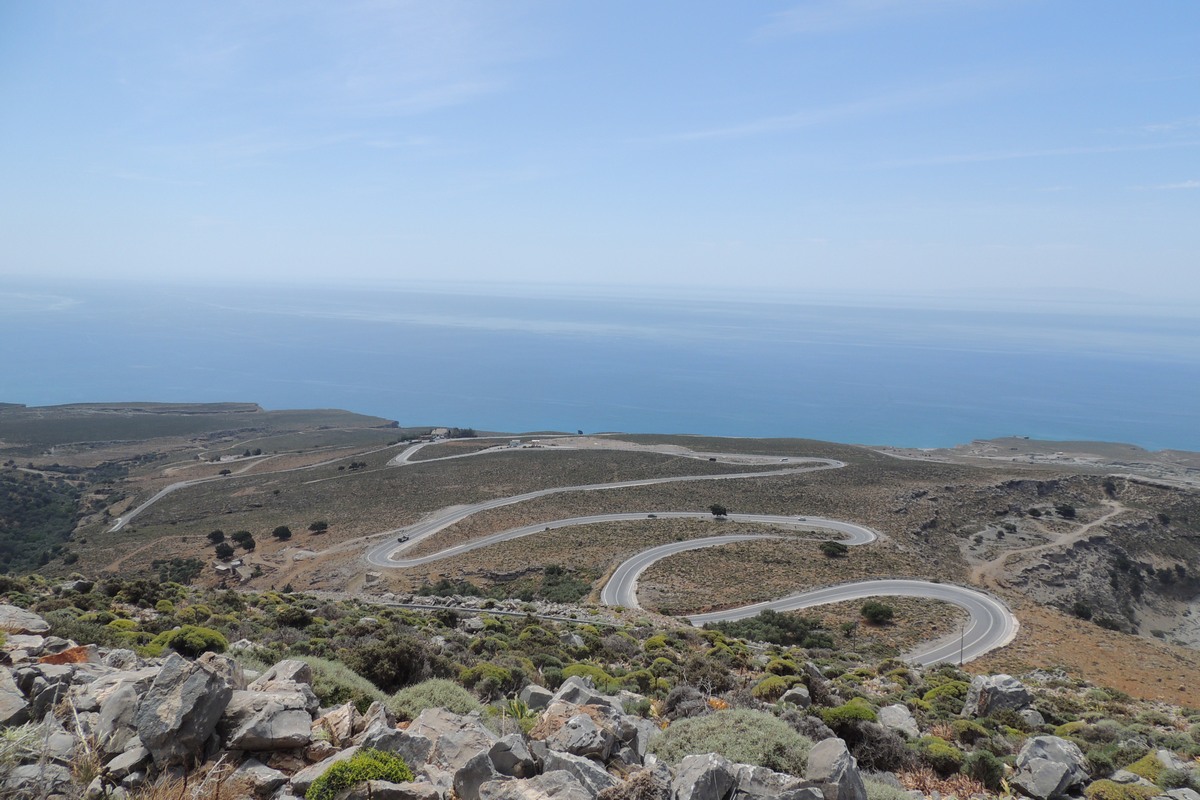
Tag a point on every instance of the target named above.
point(933, 147)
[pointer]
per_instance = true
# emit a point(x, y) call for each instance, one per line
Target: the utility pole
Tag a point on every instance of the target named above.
point(962, 638)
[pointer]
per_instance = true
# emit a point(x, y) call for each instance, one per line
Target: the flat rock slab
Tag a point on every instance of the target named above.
point(18, 620)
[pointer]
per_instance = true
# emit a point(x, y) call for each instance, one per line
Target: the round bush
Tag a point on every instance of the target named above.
point(741, 735)
point(433, 693)
point(365, 765)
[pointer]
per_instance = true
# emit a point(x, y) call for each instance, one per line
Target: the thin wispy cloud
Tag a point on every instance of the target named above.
point(866, 107)
point(825, 16)
point(1051, 152)
point(1180, 185)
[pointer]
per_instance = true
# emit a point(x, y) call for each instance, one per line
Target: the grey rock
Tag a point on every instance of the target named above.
point(14, 708)
point(257, 777)
point(476, 772)
point(36, 780)
point(122, 659)
point(385, 790)
point(56, 644)
point(582, 692)
point(703, 777)
point(536, 697)
point(511, 756)
point(1183, 794)
point(118, 719)
point(226, 667)
point(581, 736)
point(831, 765)
point(1049, 767)
point(991, 693)
point(18, 620)
point(181, 710)
point(376, 712)
point(760, 782)
point(288, 670)
point(1124, 776)
point(590, 775)
point(338, 724)
point(131, 760)
point(61, 746)
point(797, 696)
point(456, 738)
point(1169, 760)
point(81, 586)
point(556, 785)
point(1032, 717)
point(305, 777)
point(266, 721)
point(899, 718)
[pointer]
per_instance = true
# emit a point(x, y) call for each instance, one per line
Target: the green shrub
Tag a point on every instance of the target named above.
point(770, 688)
point(1177, 779)
point(741, 735)
point(940, 755)
point(1148, 767)
point(433, 693)
point(190, 640)
point(365, 765)
point(968, 731)
point(956, 690)
point(334, 684)
point(1110, 790)
point(842, 717)
point(877, 790)
point(985, 768)
point(488, 679)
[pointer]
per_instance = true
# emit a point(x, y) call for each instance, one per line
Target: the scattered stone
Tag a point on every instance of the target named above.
point(590, 775)
point(703, 777)
point(831, 765)
point(18, 620)
point(456, 739)
point(556, 785)
point(797, 696)
point(1032, 717)
point(582, 692)
point(1049, 767)
point(14, 709)
point(181, 710)
point(991, 693)
point(536, 697)
point(476, 772)
point(266, 721)
point(384, 790)
point(511, 756)
point(581, 736)
point(287, 671)
point(305, 777)
point(899, 718)
point(258, 777)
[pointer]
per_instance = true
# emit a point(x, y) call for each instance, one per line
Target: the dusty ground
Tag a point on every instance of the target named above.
point(701, 580)
point(1144, 668)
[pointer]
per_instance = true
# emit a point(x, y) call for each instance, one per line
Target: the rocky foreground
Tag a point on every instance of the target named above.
point(84, 721)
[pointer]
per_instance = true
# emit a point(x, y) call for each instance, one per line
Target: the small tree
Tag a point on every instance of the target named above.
point(320, 526)
point(225, 472)
point(877, 613)
point(224, 551)
point(216, 537)
point(834, 549)
point(718, 510)
point(282, 533)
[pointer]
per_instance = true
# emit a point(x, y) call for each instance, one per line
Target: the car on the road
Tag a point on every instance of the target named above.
point(652, 516)
point(402, 539)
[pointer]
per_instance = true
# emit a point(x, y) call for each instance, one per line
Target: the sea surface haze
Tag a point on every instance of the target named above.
point(918, 374)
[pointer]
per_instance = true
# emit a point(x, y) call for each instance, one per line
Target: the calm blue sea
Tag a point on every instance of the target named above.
point(906, 373)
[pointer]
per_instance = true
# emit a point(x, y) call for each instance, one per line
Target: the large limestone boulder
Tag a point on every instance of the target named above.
point(751, 783)
point(581, 736)
point(181, 710)
point(511, 756)
point(536, 697)
point(991, 693)
point(456, 738)
point(582, 692)
point(305, 777)
point(266, 721)
point(1049, 767)
point(287, 671)
point(18, 620)
point(117, 723)
point(831, 765)
point(590, 775)
point(14, 708)
point(899, 718)
point(385, 790)
point(703, 777)
point(556, 785)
